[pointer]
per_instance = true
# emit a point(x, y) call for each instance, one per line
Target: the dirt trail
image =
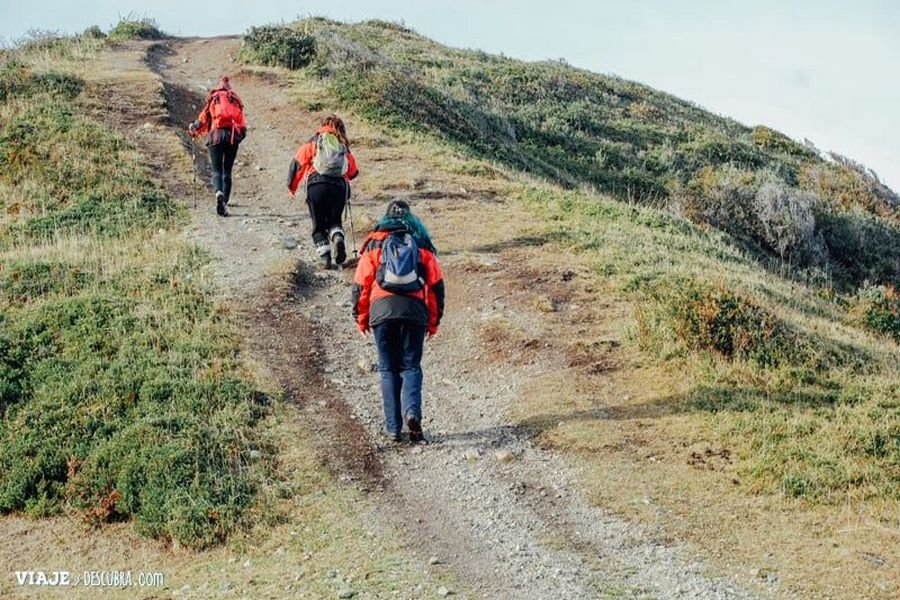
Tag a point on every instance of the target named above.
point(484, 501)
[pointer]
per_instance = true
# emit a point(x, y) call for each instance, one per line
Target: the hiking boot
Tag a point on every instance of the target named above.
point(390, 436)
point(221, 205)
point(415, 430)
point(326, 261)
point(340, 249)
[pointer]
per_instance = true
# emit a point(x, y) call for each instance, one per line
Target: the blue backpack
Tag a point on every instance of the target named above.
point(399, 271)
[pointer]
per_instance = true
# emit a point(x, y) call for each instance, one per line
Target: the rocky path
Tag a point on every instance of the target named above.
point(480, 500)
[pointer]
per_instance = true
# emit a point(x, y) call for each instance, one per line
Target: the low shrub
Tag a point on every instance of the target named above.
point(131, 28)
point(862, 247)
point(703, 317)
point(93, 32)
point(877, 308)
point(788, 224)
point(278, 46)
point(776, 141)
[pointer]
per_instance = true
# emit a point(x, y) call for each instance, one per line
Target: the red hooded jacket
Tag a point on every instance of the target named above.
point(372, 304)
point(204, 122)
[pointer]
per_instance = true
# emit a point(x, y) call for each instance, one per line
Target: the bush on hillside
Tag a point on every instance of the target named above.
point(278, 46)
point(862, 247)
point(703, 317)
point(877, 308)
point(760, 209)
point(93, 32)
point(776, 141)
point(131, 28)
point(788, 224)
point(849, 185)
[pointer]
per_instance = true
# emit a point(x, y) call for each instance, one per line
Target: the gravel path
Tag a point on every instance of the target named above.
point(481, 499)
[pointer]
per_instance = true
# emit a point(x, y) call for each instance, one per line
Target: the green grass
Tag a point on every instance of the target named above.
point(122, 390)
point(797, 387)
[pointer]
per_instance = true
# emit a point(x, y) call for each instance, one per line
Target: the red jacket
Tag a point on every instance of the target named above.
point(301, 166)
point(372, 304)
point(203, 124)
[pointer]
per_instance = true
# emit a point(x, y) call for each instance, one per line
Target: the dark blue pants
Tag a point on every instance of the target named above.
point(400, 346)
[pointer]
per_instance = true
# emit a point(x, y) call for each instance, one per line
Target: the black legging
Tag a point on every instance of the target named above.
point(326, 204)
point(221, 157)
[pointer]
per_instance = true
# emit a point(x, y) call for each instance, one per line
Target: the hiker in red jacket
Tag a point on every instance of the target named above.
point(222, 120)
point(322, 170)
point(398, 293)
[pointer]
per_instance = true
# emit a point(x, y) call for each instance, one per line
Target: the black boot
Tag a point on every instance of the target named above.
point(221, 205)
point(340, 248)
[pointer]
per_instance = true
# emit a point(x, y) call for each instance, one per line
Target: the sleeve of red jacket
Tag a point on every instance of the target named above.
point(203, 121)
point(434, 284)
point(352, 169)
point(363, 280)
point(303, 158)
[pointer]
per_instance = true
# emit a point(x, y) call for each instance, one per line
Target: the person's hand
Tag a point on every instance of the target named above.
point(430, 333)
point(192, 129)
point(363, 331)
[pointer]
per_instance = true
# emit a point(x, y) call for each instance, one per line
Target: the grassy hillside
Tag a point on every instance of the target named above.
point(819, 216)
point(121, 390)
point(726, 296)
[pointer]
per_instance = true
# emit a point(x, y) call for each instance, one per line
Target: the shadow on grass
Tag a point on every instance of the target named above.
point(708, 399)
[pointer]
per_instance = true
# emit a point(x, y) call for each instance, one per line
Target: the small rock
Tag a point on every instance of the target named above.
point(280, 551)
point(504, 456)
point(434, 560)
point(185, 60)
point(346, 594)
point(255, 454)
point(472, 454)
point(365, 366)
point(260, 168)
point(247, 564)
point(289, 243)
point(147, 125)
point(443, 591)
point(873, 558)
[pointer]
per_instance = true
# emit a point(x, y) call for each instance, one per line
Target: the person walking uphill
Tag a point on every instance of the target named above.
point(322, 169)
point(398, 293)
point(222, 120)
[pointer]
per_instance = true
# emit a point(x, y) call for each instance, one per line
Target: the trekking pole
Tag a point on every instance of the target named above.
point(350, 223)
point(193, 173)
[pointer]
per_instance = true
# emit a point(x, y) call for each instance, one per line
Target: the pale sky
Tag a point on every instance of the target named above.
point(819, 69)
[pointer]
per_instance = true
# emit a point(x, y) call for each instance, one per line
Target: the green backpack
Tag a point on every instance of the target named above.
point(330, 159)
